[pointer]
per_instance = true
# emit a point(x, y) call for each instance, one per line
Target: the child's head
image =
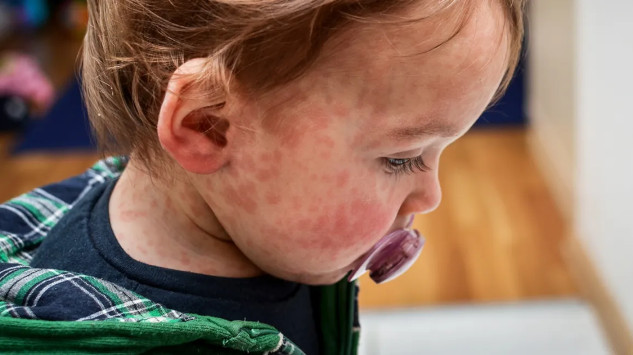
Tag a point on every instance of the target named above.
point(311, 128)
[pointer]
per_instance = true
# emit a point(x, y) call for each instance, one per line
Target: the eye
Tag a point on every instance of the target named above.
point(406, 165)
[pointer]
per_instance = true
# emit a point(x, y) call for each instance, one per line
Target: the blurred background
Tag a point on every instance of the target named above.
point(530, 251)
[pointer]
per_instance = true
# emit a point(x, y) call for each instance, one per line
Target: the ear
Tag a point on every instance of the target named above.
point(190, 125)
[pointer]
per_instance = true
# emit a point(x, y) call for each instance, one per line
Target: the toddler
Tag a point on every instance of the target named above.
point(274, 151)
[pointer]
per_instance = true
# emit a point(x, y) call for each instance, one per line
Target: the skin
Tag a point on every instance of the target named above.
point(302, 187)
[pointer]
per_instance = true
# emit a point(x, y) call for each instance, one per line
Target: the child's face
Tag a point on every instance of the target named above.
point(311, 187)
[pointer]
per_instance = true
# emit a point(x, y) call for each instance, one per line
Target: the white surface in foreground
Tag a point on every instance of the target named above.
point(558, 327)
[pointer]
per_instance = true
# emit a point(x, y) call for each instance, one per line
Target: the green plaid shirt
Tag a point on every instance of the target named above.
point(54, 311)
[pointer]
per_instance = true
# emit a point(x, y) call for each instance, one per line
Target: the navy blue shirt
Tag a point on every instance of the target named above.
point(83, 242)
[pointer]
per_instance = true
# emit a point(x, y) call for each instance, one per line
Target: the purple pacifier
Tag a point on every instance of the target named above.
point(391, 256)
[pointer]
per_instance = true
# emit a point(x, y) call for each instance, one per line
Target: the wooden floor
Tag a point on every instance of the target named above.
point(22, 173)
point(496, 237)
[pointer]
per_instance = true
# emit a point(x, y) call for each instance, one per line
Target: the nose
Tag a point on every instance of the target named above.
point(424, 197)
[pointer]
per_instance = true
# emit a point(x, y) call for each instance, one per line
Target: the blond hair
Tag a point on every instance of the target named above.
point(132, 47)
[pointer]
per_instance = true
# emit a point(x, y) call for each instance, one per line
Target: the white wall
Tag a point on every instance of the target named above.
point(581, 107)
point(604, 148)
point(552, 101)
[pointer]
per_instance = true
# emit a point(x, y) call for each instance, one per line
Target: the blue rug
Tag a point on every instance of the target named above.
point(64, 128)
point(510, 109)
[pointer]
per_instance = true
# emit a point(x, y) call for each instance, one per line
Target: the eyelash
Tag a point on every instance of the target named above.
point(407, 165)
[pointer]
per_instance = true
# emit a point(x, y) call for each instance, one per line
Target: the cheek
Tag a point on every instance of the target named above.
point(356, 222)
point(323, 216)
point(340, 233)
point(337, 212)
point(341, 226)
point(299, 201)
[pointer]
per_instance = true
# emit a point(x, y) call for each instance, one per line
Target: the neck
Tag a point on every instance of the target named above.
point(172, 227)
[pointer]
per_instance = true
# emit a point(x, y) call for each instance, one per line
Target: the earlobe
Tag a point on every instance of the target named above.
point(190, 127)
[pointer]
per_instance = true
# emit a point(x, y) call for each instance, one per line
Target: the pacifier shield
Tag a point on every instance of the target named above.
point(391, 256)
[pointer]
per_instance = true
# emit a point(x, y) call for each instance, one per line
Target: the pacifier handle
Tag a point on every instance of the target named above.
point(391, 256)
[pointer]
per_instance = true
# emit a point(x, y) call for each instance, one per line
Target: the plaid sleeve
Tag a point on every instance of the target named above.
point(50, 294)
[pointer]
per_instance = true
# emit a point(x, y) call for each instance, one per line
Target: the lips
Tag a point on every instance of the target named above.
point(391, 256)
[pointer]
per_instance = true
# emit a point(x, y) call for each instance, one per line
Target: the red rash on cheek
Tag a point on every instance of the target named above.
point(341, 111)
point(264, 175)
point(294, 136)
point(324, 146)
point(267, 157)
point(340, 220)
point(345, 226)
point(276, 156)
point(324, 141)
point(246, 160)
point(296, 203)
point(273, 199)
point(263, 169)
point(342, 178)
point(356, 219)
point(322, 220)
point(241, 196)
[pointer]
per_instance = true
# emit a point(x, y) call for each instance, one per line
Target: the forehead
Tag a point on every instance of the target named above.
point(407, 72)
point(422, 42)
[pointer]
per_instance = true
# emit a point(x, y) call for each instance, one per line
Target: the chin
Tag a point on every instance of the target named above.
point(319, 279)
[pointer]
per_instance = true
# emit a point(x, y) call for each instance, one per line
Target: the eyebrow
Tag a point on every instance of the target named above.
point(430, 129)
